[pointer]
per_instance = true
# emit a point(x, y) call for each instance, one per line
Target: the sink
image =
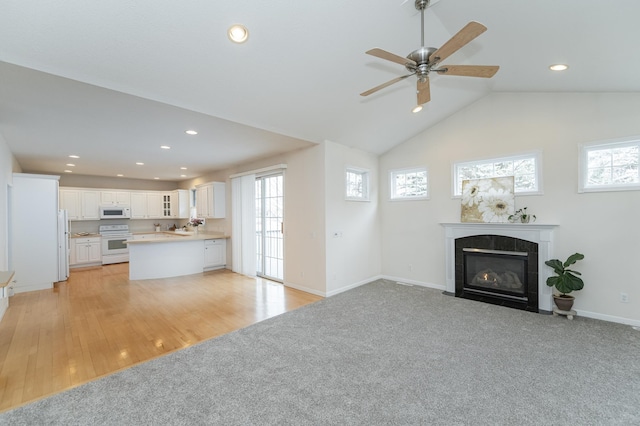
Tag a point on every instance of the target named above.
point(180, 232)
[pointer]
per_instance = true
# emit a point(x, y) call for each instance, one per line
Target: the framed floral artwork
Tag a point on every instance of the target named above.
point(487, 200)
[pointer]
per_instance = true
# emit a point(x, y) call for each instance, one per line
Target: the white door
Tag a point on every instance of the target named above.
point(269, 226)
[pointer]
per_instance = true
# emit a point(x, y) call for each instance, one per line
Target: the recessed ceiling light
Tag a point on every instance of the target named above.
point(417, 108)
point(558, 67)
point(73, 156)
point(70, 165)
point(165, 147)
point(119, 175)
point(183, 175)
point(191, 132)
point(156, 178)
point(68, 171)
point(238, 33)
point(140, 164)
point(183, 168)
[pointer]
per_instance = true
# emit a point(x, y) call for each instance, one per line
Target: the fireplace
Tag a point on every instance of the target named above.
point(497, 269)
point(540, 234)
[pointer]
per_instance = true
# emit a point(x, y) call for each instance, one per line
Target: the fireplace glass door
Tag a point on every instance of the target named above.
point(496, 271)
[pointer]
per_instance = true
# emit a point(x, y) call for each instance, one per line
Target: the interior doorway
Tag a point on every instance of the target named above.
point(269, 226)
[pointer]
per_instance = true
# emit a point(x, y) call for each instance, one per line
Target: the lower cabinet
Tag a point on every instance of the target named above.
point(215, 253)
point(85, 251)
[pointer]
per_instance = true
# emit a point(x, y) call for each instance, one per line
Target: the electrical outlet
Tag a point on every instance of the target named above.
point(624, 297)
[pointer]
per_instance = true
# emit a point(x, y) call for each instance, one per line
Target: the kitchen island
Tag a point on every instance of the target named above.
point(172, 254)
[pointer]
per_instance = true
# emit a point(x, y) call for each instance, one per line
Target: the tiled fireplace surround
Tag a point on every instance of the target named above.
point(541, 234)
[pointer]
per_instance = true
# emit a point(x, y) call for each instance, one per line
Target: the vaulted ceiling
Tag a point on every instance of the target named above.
point(113, 81)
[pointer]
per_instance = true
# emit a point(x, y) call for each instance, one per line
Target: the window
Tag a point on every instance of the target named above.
point(610, 165)
point(525, 168)
point(357, 184)
point(409, 184)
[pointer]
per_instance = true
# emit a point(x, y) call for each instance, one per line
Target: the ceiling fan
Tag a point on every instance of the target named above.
point(424, 60)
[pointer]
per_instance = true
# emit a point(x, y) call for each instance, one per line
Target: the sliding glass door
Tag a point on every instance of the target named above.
point(269, 226)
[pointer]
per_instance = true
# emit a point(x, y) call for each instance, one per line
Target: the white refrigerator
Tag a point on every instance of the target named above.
point(34, 228)
point(63, 245)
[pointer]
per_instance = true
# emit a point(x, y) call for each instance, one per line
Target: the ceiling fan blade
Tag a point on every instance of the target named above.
point(424, 92)
point(383, 85)
point(484, 71)
point(465, 35)
point(383, 54)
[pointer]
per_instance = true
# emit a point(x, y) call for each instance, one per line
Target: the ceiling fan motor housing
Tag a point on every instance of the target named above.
point(422, 4)
point(421, 58)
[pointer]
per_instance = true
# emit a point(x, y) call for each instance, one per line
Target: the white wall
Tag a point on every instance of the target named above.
point(106, 182)
point(353, 257)
point(8, 165)
point(315, 207)
point(602, 226)
point(304, 222)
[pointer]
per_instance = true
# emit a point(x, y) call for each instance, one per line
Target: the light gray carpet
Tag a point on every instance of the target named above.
point(382, 353)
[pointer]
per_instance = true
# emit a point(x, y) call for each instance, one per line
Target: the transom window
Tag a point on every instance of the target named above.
point(610, 165)
point(357, 184)
point(409, 184)
point(525, 168)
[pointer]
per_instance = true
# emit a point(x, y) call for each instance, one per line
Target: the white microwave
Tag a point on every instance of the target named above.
point(115, 212)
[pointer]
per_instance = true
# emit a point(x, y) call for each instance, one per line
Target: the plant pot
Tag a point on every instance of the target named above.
point(563, 302)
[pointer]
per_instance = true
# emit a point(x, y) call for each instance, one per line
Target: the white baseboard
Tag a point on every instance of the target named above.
point(352, 286)
point(414, 282)
point(32, 287)
point(610, 318)
point(305, 289)
point(363, 282)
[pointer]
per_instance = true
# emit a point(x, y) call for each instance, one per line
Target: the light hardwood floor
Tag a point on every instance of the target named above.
point(99, 322)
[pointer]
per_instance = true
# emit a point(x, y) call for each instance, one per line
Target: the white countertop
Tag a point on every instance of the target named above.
point(172, 237)
point(85, 235)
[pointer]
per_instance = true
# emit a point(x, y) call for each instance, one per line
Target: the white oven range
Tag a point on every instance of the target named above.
point(114, 250)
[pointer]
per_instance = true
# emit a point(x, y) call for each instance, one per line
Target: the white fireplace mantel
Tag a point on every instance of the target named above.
point(542, 234)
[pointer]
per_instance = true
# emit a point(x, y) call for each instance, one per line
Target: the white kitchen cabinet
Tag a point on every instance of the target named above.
point(178, 204)
point(116, 197)
point(215, 253)
point(84, 203)
point(80, 204)
point(72, 252)
point(211, 200)
point(138, 205)
point(69, 200)
point(154, 205)
point(146, 205)
point(167, 201)
point(85, 251)
point(90, 205)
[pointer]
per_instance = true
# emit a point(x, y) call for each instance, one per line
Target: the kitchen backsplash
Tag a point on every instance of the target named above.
point(143, 225)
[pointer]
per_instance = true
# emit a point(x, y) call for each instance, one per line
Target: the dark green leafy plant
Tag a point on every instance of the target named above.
point(566, 280)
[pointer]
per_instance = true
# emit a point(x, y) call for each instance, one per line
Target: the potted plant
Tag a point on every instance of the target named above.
point(195, 222)
point(565, 281)
point(521, 215)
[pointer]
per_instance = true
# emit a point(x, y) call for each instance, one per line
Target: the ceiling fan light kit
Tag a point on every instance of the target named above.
point(558, 67)
point(425, 60)
point(238, 33)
